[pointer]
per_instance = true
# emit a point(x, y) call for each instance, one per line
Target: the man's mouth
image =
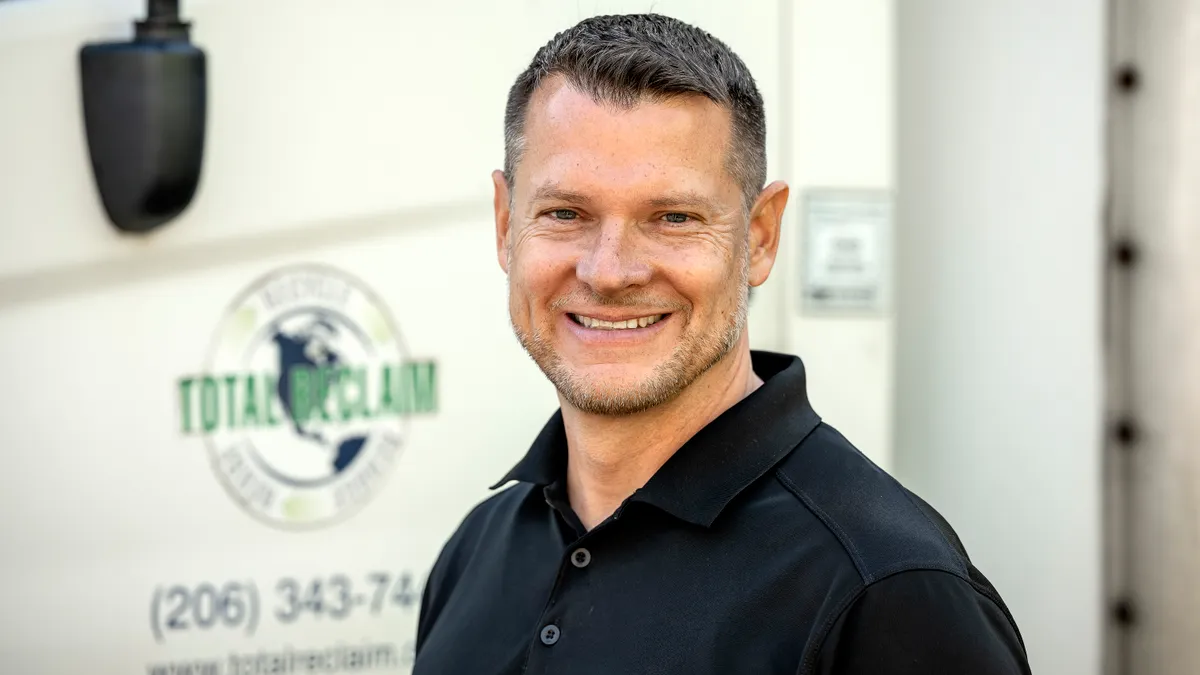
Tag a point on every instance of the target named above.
point(600, 324)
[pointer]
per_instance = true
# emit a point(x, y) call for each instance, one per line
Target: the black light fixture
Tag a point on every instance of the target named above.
point(144, 105)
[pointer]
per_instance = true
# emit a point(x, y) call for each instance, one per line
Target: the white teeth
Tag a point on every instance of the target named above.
point(640, 322)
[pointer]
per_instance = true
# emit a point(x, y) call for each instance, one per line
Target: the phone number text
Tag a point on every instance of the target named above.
point(237, 605)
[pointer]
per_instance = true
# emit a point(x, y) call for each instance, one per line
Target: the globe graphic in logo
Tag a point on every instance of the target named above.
point(307, 396)
point(310, 340)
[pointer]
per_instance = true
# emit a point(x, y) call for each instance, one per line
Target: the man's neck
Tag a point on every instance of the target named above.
point(611, 457)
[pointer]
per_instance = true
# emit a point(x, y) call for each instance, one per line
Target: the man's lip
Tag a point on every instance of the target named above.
point(600, 337)
point(613, 316)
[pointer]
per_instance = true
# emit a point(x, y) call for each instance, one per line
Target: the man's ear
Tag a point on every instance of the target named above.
point(766, 219)
point(500, 184)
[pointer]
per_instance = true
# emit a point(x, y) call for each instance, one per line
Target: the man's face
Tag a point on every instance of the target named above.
point(626, 246)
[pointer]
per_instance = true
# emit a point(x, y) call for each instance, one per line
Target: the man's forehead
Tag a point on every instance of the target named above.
point(561, 110)
point(571, 138)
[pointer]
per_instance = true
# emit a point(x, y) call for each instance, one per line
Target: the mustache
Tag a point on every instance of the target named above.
point(640, 301)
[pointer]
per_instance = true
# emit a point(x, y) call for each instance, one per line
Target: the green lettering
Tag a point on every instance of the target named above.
point(424, 386)
point(385, 393)
point(210, 412)
point(361, 409)
point(231, 410)
point(302, 395)
point(324, 379)
point(185, 403)
point(403, 402)
point(250, 403)
point(345, 410)
point(270, 393)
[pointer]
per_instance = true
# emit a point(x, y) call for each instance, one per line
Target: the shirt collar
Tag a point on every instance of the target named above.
point(546, 461)
point(717, 463)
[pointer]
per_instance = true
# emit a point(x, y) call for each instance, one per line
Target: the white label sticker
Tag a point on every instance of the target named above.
point(846, 251)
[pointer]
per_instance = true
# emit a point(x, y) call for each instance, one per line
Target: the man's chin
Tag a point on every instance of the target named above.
point(610, 403)
point(615, 375)
point(611, 390)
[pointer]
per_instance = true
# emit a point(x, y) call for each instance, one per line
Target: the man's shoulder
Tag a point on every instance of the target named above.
point(485, 517)
point(478, 535)
point(882, 526)
point(911, 566)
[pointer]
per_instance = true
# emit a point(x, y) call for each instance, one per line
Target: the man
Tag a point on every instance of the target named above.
point(685, 511)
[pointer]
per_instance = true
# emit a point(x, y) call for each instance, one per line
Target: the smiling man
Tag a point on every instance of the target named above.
point(685, 511)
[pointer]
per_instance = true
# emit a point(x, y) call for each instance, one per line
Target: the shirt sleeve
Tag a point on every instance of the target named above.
point(427, 612)
point(923, 622)
point(437, 586)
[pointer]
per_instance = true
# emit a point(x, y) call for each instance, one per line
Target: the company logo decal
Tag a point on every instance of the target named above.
point(306, 397)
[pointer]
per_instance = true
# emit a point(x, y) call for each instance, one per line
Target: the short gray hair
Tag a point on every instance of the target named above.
point(625, 59)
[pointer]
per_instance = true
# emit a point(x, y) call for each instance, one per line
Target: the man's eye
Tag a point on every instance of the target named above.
point(677, 218)
point(564, 214)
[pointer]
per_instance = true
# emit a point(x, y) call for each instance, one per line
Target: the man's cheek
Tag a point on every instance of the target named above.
point(535, 267)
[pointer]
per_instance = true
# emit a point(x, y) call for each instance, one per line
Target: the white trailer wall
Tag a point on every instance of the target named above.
point(998, 399)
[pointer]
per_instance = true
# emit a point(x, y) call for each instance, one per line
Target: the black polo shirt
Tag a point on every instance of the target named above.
point(766, 544)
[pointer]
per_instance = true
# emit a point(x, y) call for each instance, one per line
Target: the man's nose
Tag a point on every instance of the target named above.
point(612, 263)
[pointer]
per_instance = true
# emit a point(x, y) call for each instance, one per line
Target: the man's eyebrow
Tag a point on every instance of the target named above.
point(552, 192)
point(684, 199)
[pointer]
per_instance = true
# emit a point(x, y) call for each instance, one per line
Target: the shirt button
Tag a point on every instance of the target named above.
point(581, 557)
point(550, 634)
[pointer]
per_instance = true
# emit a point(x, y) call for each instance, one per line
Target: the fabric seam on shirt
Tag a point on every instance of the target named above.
point(833, 527)
point(937, 529)
point(810, 657)
point(978, 588)
point(725, 499)
point(758, 476)
point(915, 566)
point(995, 599)
point(809, 660)
point(994, 596)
